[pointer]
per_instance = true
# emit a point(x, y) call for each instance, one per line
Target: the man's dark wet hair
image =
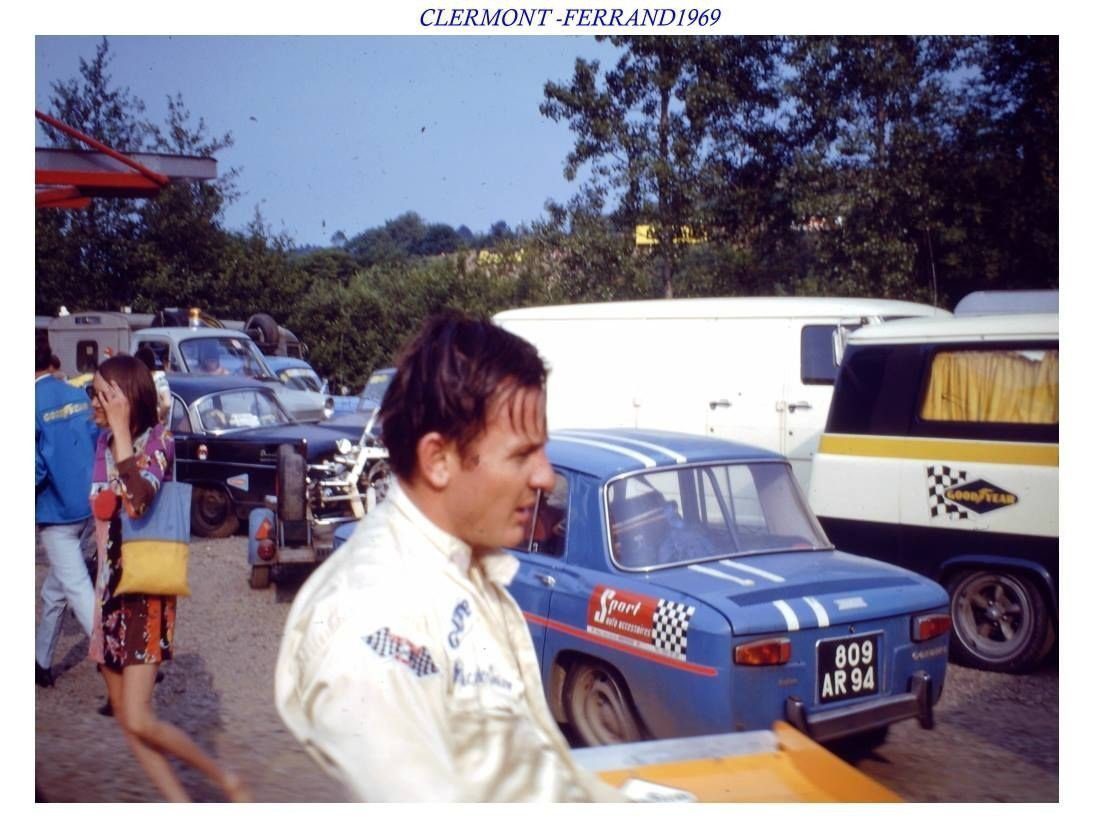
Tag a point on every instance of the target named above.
point(445, 379)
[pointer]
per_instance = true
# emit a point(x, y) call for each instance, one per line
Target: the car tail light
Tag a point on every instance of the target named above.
point(929, 626)
point(264, 529)
point(770, 652)
point(266, 550)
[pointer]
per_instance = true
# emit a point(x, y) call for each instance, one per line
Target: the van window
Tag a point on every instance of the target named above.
point(996, 385)
point(87, 355)
point(818, 360)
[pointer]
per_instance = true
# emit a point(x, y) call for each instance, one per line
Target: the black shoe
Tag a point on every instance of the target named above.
point(43, 677)
point(106, 709)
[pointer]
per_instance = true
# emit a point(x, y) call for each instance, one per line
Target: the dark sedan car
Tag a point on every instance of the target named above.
point(228, 430)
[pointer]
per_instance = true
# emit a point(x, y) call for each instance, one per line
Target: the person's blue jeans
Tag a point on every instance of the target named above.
point(67, 583)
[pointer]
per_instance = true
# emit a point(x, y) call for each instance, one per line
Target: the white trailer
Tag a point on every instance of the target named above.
point(757, 370)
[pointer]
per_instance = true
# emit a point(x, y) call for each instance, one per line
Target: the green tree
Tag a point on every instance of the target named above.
point(871, 121)
point(644, 128)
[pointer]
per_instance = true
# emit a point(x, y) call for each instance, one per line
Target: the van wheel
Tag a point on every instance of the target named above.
point(212, 514)
point(598, 705)
point(1000, 621)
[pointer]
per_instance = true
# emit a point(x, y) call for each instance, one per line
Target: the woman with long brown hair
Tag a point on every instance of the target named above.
point(134, 633)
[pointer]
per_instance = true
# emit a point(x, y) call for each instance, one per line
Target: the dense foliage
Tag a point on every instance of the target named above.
point(912, 167)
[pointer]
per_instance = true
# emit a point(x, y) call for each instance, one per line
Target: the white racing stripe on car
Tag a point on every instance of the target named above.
point(709, 571)
point(770, 577)
point(668, 452)
point(791, 618)
point(818, 609)
point(642, 458)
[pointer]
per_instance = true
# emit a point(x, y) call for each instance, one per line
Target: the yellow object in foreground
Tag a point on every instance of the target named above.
point(777, 766)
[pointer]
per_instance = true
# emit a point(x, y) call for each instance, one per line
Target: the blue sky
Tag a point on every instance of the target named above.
point(329, 130)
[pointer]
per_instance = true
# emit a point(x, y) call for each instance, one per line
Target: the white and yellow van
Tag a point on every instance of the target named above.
point(941, 454)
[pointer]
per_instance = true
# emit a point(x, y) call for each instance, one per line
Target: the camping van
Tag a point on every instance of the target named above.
point(758, 370)
point(941, 454)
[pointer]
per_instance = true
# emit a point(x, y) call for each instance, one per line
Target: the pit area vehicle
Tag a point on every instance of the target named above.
point(297, 523)
point(941, 454)
point(228, 431)
point(677, 586)
point(207, 350)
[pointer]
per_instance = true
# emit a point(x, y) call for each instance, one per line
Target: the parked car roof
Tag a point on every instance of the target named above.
point(190, 387)
point(602, 453)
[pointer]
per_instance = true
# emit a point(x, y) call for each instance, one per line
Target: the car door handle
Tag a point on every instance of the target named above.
point(799, 406)
point(721, 403)
point(546, 578)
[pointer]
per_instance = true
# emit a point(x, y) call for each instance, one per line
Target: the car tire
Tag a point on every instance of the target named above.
point(260, 576)
point(858, 745)
point(266, 329)
point(291, 484)
point(212, 513)
point(599, 706)
point(1000, 620)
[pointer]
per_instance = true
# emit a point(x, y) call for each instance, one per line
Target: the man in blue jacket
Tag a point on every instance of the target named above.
point(64, 450)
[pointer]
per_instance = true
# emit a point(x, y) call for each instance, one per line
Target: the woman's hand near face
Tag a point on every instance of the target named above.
point(117, 409)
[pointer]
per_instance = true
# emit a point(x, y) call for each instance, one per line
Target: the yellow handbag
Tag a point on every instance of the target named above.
point(156, 546)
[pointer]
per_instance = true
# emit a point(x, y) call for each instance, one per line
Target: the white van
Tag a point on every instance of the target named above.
point(757, 370)
point(941, 454)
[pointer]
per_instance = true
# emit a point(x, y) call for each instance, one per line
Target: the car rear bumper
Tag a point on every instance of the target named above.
point(826, 725)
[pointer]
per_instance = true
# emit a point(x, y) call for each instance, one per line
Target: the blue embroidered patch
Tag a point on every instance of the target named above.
point(462, 610)
point(388, 645)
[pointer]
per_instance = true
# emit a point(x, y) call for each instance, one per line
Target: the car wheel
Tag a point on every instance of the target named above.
point(291, 484)
point(212, 514)
point(260, 576)
point(858, 745)
point(1000, 622)
point(599, 707)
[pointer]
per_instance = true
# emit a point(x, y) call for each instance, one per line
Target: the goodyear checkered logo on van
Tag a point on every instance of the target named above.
point(950, 493)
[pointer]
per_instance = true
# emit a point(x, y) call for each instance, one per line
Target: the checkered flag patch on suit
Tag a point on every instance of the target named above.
point(939, 479)
point(670, 628)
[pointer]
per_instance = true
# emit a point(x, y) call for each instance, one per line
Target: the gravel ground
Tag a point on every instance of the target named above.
point(996, 736)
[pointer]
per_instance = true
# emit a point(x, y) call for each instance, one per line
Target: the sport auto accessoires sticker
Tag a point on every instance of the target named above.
point(388, 645)
point(952, 494)
point(658, 625)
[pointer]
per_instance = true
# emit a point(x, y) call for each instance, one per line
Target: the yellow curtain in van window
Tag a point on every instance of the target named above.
point(994, 386)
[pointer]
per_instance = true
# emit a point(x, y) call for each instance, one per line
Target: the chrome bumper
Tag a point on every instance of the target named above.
point(825, 725)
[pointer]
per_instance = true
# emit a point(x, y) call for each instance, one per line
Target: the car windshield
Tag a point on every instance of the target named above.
point(698, 513)
point(223, 356)
point(232, 410)
point(300, 379)
point(377, 386)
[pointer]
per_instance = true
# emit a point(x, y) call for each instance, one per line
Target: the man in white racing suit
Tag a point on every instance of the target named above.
point(406, 668)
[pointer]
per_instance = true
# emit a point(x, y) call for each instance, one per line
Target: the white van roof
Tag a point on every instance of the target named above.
point(724, 307)
point(979, 303)
point(1024, 327)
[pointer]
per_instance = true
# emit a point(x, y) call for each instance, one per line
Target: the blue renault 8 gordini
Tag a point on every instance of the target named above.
point(679, 585)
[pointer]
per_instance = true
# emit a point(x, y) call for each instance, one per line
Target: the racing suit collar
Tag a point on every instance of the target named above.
point(498, 565)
